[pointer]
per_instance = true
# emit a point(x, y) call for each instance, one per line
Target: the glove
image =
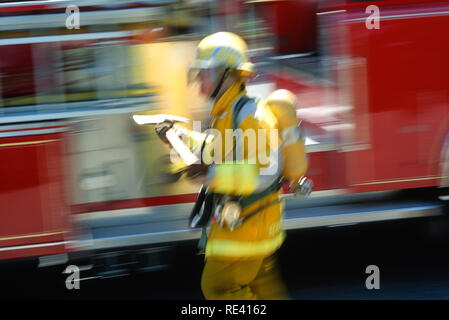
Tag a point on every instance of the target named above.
point(195, 170)
point(162, 128)
point(303, 187)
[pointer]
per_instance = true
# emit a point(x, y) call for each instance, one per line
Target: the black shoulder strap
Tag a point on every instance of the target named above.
point(200, 218)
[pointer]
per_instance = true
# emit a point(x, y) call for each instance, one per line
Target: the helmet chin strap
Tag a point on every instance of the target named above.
point(220, 84)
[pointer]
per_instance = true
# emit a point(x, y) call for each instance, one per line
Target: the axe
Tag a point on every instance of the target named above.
point(183, 151)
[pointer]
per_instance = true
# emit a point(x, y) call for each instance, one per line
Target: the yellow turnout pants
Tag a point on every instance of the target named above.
point(256, 279)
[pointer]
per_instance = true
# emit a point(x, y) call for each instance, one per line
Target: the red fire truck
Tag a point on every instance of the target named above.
point(81, 180)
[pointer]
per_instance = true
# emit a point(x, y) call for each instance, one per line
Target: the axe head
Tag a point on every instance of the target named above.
point(157, 118)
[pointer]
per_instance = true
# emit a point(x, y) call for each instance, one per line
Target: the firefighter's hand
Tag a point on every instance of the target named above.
point(303, 187)
point(162, 128)
point(196, 170)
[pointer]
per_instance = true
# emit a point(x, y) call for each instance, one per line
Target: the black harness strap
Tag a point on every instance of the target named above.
point(220, 83)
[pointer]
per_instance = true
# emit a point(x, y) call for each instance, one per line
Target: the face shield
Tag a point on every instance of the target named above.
point(197, 67)
point(206, 78)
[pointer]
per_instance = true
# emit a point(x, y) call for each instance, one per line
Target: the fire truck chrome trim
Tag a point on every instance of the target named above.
point(152, 225)
point(53, 260)
point(410, 15)
point(398, 180)
point(321, 147)
point(356, 218)
point(330, 12)
point(67, 37)
point(31, 132)
point(38, 125)
point(182, 234)
point(178, 211)
point(32, 235)
point(39, 245)
point(68, 110)
point(11, 144)
point(57, 20)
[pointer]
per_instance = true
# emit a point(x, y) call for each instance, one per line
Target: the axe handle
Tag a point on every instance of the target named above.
point(187, 156)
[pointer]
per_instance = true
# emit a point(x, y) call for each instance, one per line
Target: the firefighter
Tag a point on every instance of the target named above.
point(246, 232)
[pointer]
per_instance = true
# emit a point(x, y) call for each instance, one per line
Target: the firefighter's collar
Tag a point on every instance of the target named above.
point(225, 102)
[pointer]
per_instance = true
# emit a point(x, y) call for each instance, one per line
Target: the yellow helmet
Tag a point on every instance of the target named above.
point(222, 50)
